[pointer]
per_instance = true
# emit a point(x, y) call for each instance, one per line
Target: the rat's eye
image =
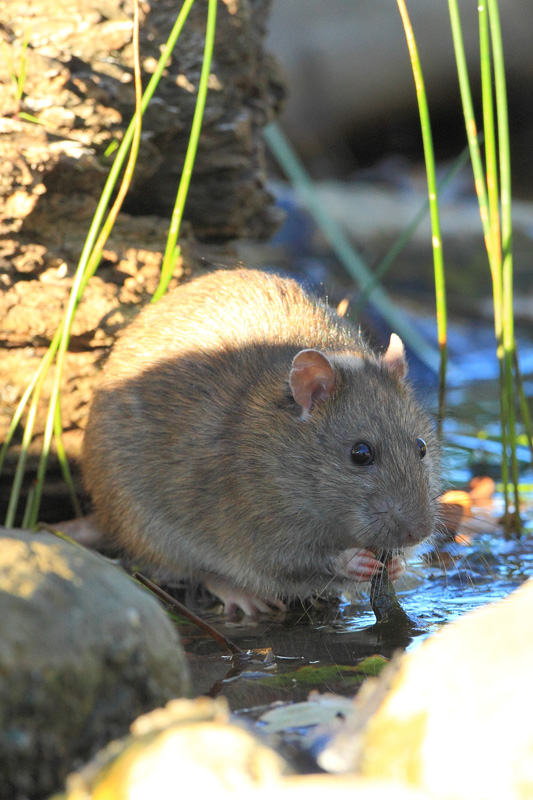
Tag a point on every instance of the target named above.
point(422, 448)
point(362, 454)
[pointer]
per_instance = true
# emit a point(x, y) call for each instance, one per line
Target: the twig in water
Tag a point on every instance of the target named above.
point(201, 623)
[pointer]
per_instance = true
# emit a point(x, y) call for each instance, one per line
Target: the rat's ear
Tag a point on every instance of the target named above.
point(311, 379)
point(394, 358)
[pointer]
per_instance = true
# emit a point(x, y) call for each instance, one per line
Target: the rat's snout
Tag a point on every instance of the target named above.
point(400, 524)
point(417, 535)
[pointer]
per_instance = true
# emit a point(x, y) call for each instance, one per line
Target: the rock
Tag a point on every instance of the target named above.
point(83, 651)
point(35, 291)
point(74, 59)
point(195, 744)
point(228, 197)
point(190, 742)
point(456, 721)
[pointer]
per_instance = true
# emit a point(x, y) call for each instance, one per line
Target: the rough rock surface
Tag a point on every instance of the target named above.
point(83, 652)
point(68, 64)
point(77, 59)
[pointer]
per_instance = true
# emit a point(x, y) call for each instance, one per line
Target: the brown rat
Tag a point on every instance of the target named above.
point(245, 435)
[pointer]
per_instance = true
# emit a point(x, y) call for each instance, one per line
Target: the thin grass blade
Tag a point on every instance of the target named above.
point(172, 250)
point(436, 239)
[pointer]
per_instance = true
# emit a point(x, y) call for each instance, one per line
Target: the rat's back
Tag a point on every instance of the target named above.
point(224, 310)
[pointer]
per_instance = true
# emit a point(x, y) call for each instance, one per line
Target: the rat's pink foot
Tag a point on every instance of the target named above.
point(358, 564)
point(236, 599)
point(83, 530)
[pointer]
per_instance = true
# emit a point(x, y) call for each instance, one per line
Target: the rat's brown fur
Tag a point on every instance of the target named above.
point(199, 459)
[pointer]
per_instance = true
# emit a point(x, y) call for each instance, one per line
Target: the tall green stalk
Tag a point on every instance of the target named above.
point(88, 264)
point(493, 196)
point(84, 269)
point(172, 251)
point(506, 235)
point(125, 145)
point(494, 231)
point(436, 240)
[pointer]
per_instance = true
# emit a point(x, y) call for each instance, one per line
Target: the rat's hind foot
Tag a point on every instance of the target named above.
point(84, 530)
point(238, 600)
point(358, 564)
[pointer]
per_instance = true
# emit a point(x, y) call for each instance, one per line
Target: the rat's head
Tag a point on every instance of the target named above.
point(371, 453)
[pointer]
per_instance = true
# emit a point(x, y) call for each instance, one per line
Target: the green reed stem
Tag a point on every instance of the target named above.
point(495, 251)
point(470, 122)
point(128, 137)
point(33, 388)
point(496, 228)
point(524, 407)
point(341, 245)
point(18, 77)
point(506, 235)
point(43, 366)
point(27, 511)
point(436, 239)
point(24, 450)
point(88, 264)
point(489, 131)
point(64, 465)
point(172, 251)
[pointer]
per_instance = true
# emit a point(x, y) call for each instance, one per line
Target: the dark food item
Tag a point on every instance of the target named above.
point(392, 620)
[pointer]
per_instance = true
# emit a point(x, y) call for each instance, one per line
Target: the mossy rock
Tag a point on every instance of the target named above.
point(83, 651)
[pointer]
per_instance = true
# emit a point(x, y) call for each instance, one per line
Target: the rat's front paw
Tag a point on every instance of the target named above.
point(238, 600)
point(396, 567)
point(358, 564)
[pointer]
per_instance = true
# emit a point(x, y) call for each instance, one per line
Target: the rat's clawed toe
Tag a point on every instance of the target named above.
point(358, 564)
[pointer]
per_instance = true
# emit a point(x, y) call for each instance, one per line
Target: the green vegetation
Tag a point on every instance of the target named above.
point(89, 260)
point(436, 241)
point(494, 197)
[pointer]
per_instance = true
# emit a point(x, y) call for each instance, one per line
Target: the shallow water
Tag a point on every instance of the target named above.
point(461, 578)
point(323, 654)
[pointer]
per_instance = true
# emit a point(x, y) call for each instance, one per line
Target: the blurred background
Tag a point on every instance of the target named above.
point(351, 113)
point(351, 100)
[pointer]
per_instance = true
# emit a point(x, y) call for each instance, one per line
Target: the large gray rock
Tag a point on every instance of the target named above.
point(83, 652)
